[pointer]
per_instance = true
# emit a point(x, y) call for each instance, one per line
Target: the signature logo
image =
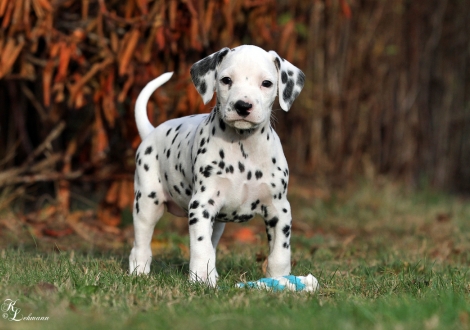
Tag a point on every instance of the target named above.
point(13, 313)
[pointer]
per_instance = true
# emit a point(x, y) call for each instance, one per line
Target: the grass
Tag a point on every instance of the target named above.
point(386, 258)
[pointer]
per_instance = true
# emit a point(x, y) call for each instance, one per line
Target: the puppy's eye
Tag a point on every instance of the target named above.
point(226, 80)
point(266, 83)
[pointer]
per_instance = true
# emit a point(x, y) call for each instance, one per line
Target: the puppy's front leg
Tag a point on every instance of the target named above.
point(202, 212)
point(278, 228)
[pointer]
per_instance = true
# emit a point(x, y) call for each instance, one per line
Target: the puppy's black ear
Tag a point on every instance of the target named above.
point(290, 81)
point(204, 74)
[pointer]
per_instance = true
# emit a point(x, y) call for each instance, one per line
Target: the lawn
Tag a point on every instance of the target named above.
point(386, 258)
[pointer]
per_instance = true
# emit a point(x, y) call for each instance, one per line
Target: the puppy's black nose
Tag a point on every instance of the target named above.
point(243, 108)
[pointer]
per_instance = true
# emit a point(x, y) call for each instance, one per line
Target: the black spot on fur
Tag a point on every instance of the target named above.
point(287, 94)
point(202, 87)
point(168, 153)
point(284, 77)
point(148, 151)
point(193, 221)
point(200, 238)
point(258, 174)
point(286, 230)
point(194, 205)
point(207, 171)
point(277, 63)
point(300, 79)
point(284, 210)
point(173, 141)
point(168, 132)
point(146, 167)
point(152, 194)
point(254, 205)
point(211, 202)
point(273, 222)
point(244, 217)
point(249, 175)
point(264, 209)
point(177, 189)
point(206, 214)
point(243, 150)
point(241, 167)
point(201, 68)
point(222, 124)
point(221, 153)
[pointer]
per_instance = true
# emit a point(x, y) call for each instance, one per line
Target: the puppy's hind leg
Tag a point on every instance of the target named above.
point(148, 209)
point(217, 231)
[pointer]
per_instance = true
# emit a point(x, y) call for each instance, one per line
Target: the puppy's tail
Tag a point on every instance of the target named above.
point(141, 118)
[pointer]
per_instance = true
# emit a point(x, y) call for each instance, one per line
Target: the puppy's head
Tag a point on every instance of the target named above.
point(247, 80)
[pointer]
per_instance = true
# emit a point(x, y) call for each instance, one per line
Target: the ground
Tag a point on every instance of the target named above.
point(387, 257)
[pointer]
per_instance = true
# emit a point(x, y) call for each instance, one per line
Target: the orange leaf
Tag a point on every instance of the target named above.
point(100, 139)
point(136, 142)
point(64, 59)
point(195, 42)
point(46, 82)
point(160, 37)
point(125, 88)
point(109, 106)
point(172, 16)
point(3, 6)
point(143, 6)
point(7, 15)
point(245, 235)
point(346, 9)
point(109, 215)
point(125, 194)
point(45, 4)
point(77, 87)
point(9, 56)
point(128, 51)
point(112, 194)
point(57, 233)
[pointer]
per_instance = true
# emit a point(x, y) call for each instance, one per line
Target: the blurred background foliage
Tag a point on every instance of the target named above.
point(387, 89)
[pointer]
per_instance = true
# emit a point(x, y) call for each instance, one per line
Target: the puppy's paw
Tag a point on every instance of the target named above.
point(205, 277)
point(139, 263)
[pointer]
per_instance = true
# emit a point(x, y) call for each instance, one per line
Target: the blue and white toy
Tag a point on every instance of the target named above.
point(290, 282)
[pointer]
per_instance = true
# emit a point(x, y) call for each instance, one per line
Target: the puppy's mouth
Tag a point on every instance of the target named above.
point(242, 124)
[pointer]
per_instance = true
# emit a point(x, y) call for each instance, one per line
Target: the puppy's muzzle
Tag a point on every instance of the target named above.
point(243, 108)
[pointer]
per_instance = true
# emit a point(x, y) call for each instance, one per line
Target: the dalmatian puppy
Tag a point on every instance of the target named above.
point(224, 166)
